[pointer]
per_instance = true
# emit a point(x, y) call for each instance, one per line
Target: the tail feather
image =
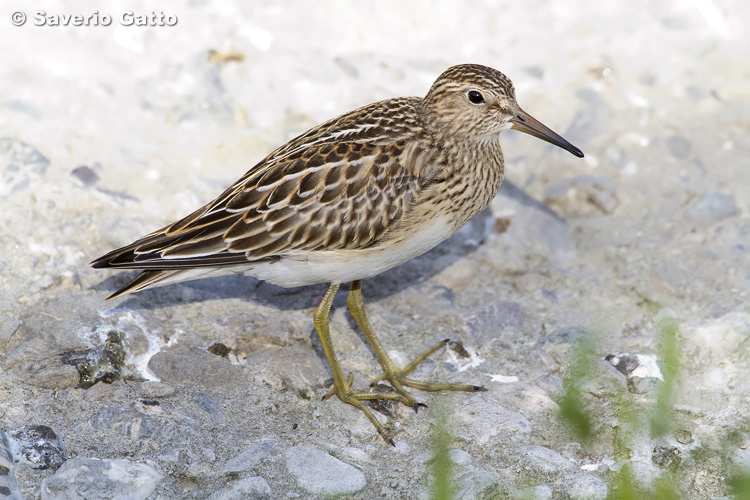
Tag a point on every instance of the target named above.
point(147, 279)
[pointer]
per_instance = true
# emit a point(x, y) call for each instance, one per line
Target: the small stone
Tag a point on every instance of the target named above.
point(256, 454)
point(486, 324)
point(561, 342)
point(713, 208)
point(9, 489)
point(117, 479)
point(722, 336)
point(585, 487)
point(20, 163)
point(37, 446)
point(545, 460)
point(180, 364)
point(95, 365)
point(683, 436)
point(210, 406)
point(33, 363)
point(85, 175)
point(250, 488)
point(645, 385)
point(540, 492)
point(321, 474)
point(475, 485)
point(576, 195)
point(678, 146)
point(460, 457)
point(219, 349)
point(482, 422)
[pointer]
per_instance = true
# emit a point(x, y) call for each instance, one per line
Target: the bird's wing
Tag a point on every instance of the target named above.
point(339, 186)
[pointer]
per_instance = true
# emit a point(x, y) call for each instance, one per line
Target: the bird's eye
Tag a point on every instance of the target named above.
point(475, 97)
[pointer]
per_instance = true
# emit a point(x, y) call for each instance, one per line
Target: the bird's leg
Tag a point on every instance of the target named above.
point(342, 387)
point(398, 378)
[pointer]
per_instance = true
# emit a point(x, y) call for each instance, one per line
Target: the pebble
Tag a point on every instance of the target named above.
point(545, 460)
point(249, 488)
point(577, 196)
point(487, 323)
point(9, 489)
point(475, 485)
point(713, 208)
point(319, 473)
point(485, 423)
point(584, 487)
point(678, 146)
point(114, 479)
point(255, 454)
point(20, 164)
point(85, 175)
point(722, 336)
point(540, 492)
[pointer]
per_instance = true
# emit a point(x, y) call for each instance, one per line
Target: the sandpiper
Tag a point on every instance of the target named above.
point(347, 200)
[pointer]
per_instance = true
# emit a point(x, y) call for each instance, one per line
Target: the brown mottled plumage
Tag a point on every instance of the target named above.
point(348, 200)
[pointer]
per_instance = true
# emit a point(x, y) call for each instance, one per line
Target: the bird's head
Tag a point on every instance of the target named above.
point(477, 103)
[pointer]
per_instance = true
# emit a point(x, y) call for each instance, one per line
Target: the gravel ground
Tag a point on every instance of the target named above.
point(603, 302)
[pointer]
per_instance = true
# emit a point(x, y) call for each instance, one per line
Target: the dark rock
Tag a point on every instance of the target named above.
point(37, 446)
point(85, 175)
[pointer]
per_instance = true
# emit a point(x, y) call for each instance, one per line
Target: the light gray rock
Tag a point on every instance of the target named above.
point(319, 473)
point(540, 492)
point(20, 165)
point(712, 208)
point(116, 479)
point(255, 454)
point(545, 460)
point(678, 146)
point(249, 488)
point(486, 423)
point(585, 487)
point(476, 485)
point(9, 489)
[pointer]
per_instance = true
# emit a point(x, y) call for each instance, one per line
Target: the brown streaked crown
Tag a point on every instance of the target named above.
point(449, 111)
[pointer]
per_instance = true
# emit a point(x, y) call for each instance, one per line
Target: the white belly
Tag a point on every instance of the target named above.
point(341, 266)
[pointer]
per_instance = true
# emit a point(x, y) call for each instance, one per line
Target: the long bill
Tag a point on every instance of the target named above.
point(524, 122)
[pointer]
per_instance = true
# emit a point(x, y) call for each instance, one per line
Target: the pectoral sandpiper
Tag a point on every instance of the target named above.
point(347, 200)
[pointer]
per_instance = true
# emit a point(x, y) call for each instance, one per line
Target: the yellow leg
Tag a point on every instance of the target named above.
point(342, 386)
point(398, 378)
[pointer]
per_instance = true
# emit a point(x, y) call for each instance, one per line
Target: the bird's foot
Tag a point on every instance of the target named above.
point(345, 394)
point(399, 378)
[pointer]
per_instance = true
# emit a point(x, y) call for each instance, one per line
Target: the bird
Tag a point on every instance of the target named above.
point(347, 200)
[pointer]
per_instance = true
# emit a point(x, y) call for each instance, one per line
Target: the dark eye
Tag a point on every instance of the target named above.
point(475, 97)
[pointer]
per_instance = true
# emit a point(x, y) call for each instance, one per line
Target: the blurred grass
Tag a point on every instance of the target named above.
point(573, 409)
point(652, 419)
point(441, 470)
point(640, 418)
point(669, 357)
point(634, 417)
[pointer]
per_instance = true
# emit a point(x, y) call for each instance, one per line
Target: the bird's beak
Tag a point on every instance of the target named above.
point(524, 122)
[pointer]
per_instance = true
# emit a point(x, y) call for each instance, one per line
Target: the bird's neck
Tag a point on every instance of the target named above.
point(476, 182)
